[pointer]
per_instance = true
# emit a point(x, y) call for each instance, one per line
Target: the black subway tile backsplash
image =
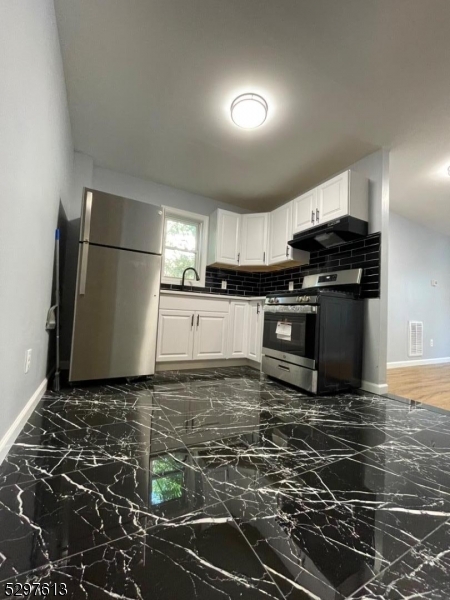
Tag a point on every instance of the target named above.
point(363, 254)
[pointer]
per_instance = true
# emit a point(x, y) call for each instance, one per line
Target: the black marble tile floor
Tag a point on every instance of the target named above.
point(222, 483)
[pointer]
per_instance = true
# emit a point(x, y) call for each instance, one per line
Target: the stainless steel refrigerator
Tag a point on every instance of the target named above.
point(117, 292)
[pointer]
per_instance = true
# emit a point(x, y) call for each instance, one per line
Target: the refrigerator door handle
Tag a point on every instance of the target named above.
point(87, 217)
point(83, 268)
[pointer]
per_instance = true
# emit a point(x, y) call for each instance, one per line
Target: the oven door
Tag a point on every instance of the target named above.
point(298, 342)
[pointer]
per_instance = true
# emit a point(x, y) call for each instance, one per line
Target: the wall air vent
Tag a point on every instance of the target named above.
point(415, 338)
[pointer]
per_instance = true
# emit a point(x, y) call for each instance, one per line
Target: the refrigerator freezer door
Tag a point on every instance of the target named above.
point(110, 220)
point(116, 317)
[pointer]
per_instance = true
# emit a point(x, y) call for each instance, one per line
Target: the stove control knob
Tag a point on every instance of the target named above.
point(277, 301)
point(270, 300)
point(306, 298)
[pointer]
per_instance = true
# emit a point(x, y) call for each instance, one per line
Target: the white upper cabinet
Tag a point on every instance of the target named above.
point(333, 199)
point(347, 194)
point(260, 239)
point(254, 239)
point(280, 232)
point(305, 211)
point(224, 237)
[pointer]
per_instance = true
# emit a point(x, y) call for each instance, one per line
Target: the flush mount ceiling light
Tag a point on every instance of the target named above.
point(249, 111)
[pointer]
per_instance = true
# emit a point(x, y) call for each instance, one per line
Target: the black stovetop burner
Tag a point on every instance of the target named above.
point(339, 283)
point(352, 291)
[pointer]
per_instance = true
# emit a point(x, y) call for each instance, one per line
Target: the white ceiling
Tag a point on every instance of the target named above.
point(150, 83)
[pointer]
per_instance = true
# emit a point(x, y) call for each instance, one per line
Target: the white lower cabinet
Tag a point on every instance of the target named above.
point(210, 337)
point(255, 325)
point(175, 334)
point(238, 330)
point(210, 328)
point(191, 335)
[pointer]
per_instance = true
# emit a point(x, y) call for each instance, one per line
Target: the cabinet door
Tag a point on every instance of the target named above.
point(305, 211)
point(280, 232)
point(210, 339)
point(237, 341)
point(175, 335)
point(332, 199)
point(254, 239)
point(255, 331)
point(228, 237)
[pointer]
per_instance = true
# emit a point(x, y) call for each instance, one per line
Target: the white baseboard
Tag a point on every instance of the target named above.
point(374, 388)
point(418, 363)
point(206, 364)
point(10, 436)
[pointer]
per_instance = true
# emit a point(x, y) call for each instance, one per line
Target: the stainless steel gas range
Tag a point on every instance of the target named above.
point(313, 337)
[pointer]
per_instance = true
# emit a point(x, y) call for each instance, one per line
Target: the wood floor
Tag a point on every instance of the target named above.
point(429, 384)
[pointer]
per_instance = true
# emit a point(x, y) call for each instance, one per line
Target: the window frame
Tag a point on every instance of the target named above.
point(202, 244)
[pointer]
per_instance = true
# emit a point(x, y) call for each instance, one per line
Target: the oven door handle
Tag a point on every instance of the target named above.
point(307, 310)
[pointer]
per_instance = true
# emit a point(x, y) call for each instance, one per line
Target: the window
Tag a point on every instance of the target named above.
point(184, 246)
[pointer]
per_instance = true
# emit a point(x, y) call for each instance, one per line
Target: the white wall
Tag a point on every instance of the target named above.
point(36, 159)
point(155, 193)
point(83, 176)
point(416, 256)
point(376, 168)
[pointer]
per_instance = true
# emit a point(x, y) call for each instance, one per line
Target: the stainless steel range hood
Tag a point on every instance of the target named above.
point(330, 234)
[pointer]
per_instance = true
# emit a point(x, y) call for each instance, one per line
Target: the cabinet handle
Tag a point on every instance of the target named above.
point(239, 257)
point(198, 319)
point(312, 217)
point(287, 251)
point(258, 308)
point(192, 322)
point(264, 257)
point(317, 214)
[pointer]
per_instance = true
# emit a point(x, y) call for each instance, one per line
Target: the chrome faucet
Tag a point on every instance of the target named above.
point(197, 277)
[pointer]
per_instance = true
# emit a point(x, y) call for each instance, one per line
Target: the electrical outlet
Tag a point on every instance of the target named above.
point(431, 342)
point(224, 284)
point(434, 282)
point(291, 286)
point(27, 360)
